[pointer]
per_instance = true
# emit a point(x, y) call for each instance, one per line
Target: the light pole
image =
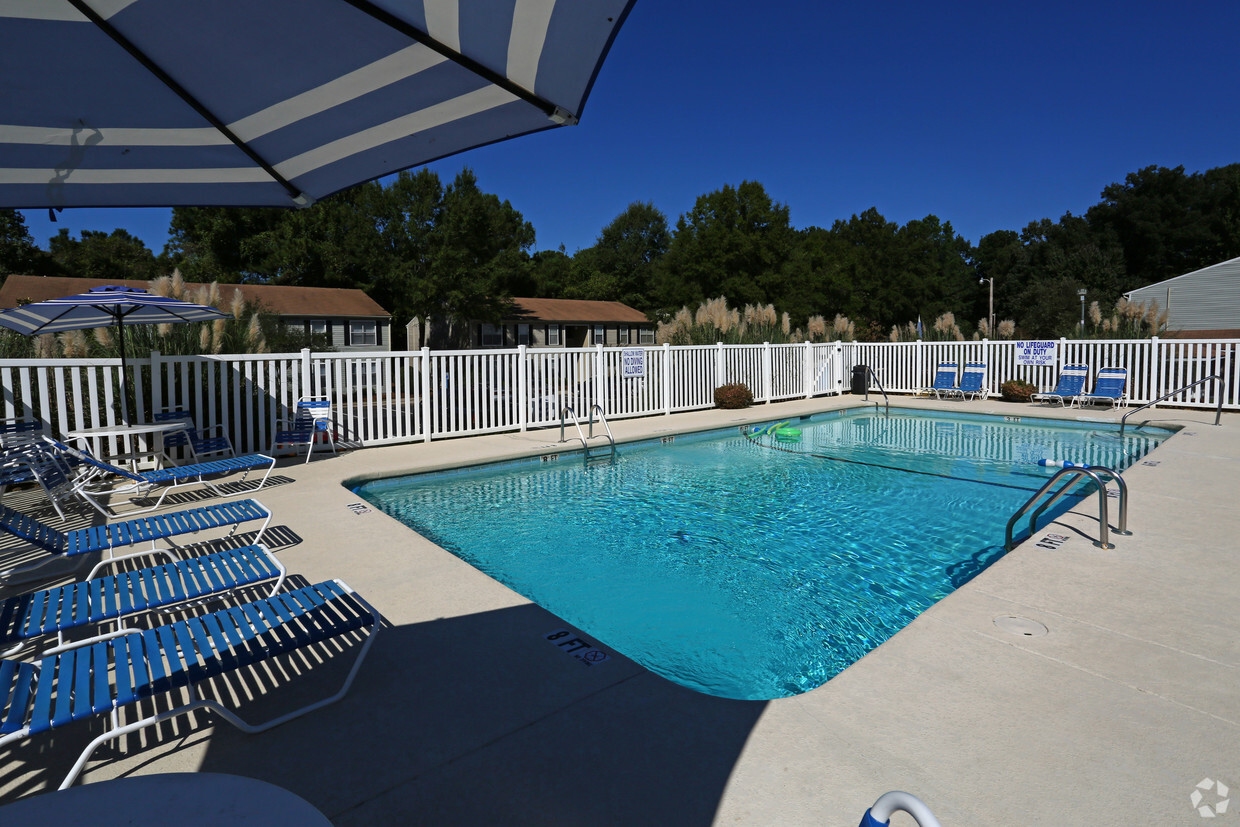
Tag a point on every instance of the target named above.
point(990, 318)
point(1081, 292)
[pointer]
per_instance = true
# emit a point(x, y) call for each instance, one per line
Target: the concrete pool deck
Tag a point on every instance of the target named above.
point(465, 714)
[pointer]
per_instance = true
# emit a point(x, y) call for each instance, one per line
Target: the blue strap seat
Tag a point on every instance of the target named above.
point(944, 381)
point(102, 676)
point(94, 481)
point(1071, 384)
point(62, 608)
point(131, 532)
point(312, 415)
point(198, 441)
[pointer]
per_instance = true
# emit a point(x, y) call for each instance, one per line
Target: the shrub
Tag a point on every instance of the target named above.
point(1017, 391)
point(736, 395)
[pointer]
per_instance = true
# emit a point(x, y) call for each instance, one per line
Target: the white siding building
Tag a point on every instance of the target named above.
point(1202, 304)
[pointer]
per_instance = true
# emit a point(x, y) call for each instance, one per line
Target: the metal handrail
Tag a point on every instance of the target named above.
point(603, 419)
point(565, 411)
point(568, 410)
point(1218, 412)
point(1100, 471)
point(886, 401)
point(1104, 540)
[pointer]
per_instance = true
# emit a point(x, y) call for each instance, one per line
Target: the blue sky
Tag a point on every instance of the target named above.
point(988, 115)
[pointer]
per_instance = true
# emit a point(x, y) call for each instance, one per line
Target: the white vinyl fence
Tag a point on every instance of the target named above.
point(1156, 367)
point(391, 397)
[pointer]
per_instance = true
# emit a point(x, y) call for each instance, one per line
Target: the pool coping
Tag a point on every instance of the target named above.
point(1113, 716)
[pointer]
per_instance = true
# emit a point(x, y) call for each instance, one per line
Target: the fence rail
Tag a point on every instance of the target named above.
point(392, 397)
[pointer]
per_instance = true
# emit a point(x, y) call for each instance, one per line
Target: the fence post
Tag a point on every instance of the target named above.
point(600, 378)
point(1155, 372)
point(426, 394)
point(720, 365)
point(157, 387)
point(809, 370)
point(521, 399)
point(837, 367)
point(919, 359)
point(768, 372)
point(667, 378)
point(306, 389)
point(988, 377)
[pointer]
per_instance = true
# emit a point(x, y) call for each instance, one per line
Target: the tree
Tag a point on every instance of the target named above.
point(214, 243)
point(100, 255)
point(1160, 218)
point(476, 251)
point(18, 253)
point(733, 243)
point(551, 274)
point(334, 243)
point(405, 218)
point(621, 264)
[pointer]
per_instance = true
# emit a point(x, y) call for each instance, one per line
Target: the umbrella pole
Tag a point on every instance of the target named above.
point(120, 334)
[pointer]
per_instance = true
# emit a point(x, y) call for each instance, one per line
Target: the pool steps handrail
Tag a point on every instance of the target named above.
point(1218, 411)
point(1093, 472)
point(585, 440)
point(886, 401)
point(888, 803)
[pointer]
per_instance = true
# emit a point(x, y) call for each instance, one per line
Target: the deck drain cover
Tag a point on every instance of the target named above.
point(1020, 626)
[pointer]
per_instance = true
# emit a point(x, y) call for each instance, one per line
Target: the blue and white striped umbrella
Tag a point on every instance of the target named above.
point(275, 102)
point(103, 307)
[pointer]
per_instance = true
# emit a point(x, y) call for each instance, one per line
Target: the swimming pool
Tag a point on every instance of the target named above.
point(745, 566)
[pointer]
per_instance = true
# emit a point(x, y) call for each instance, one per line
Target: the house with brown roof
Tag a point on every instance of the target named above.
point(353, 320)
point(552, 323)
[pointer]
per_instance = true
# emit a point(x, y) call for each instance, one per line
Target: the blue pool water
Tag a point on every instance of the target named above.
point(746, 567)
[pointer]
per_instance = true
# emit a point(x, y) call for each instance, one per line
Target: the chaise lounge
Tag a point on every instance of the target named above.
point(106, 676)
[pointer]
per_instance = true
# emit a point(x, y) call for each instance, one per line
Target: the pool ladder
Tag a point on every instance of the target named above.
point(1093, 472)
point(585, 440)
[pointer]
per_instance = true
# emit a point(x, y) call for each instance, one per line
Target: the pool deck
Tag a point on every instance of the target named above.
point(465, 714)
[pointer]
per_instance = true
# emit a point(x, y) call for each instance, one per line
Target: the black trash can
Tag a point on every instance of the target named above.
point(860, 378)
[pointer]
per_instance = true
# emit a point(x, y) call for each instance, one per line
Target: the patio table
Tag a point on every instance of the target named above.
point(96, 436)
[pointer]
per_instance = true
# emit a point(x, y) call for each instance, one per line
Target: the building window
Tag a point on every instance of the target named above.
point(523, 334)
point(363, 334)
point(317, 327)
point(645, 336)
point(492, 335)
point(553, 335)
point(600, 335)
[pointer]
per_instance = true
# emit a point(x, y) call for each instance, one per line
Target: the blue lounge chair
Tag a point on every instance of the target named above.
point(1110, 387)
point(944, 381)
point(95, 601)
point(198, 441)
point(76, 684)
point(128, 533)
point(96, 479)
point(14, 432)
point(311, 416)
point(972, 381)
point(1071, 384)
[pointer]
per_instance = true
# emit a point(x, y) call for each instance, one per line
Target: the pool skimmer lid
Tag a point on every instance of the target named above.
point(1022, 626)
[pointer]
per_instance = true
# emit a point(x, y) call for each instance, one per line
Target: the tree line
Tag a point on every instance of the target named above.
point(423, 248)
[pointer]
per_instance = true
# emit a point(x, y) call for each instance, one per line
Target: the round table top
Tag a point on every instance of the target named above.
point(183, 798)
point(125, 429)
